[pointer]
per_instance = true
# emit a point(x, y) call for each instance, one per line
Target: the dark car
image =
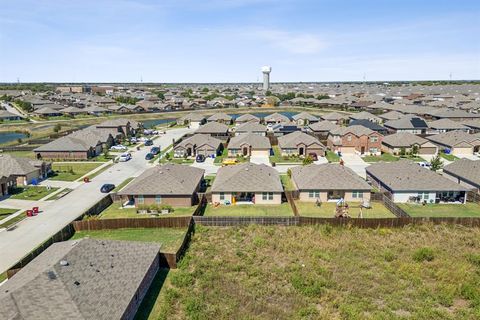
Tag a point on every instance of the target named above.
point(313, 156)
point(200, 158)
point(148, 143)
point(106, 188)
point(149, 156)
point(155, 150)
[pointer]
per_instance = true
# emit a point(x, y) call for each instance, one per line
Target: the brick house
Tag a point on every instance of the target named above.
point(355, 139)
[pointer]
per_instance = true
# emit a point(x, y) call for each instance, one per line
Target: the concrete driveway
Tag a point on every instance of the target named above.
point(356, 163)
point(208, 166)
point(260, 160)
point(55, 215)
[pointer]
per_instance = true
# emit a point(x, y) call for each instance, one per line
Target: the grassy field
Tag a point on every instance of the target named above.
point(31, 193)
point(72, 171)
point(255, 272)
point(442, 210)
point(22, 154)
point(327, 209)
point(170, 238)
point(114, 211)
point(256, 210)
point(332, 156)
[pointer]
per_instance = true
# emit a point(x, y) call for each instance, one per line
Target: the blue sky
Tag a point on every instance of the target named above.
point(229, 40)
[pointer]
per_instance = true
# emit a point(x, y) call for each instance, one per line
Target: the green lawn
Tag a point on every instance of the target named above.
point(31, 192)
point(22, 154)
point(386, 157)
point(5, 212)
point(115, 211)
point(123, 184)
point(72, 171)
point(327, 210)
point(12, 221)
point(287, 182)
point(219, 159)
point(278, 158)
point(170, 238)
point(254, 210)
point(442, 210)
point(175, 160)
point(449, 157)
point(332, 156)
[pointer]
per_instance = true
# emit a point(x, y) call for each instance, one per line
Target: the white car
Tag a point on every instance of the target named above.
point(124, 157)
point(133, 140)
point(118, 147)
point(424, 164)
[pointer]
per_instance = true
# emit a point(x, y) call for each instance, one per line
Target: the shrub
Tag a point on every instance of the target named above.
point(423, 254)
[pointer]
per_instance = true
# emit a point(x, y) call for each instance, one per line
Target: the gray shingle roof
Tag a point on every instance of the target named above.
point(446, 124)
point(108, 274)
point(251, 127)
point(10, 165)
point(254, 140)
point(364, 115)
point(292, 140)
point(193, 117)
point(213, 127)
point(391, 115)
point(247, 177)
point(334, 116)
point(247, 117)
point(403, 139)
point(356, 130)
point(277, 117)
point(305, 116)
point(455, 138)
point(324, 125)
point(405, 175)
point(168, 179)
point(328, 176)
point(407, 122)
point(219, 116)
point(200, 140)
point(466, 169)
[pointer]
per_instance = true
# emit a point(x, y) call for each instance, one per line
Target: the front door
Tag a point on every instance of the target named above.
point(362, 150)
point(245, 151)
point(301, 151)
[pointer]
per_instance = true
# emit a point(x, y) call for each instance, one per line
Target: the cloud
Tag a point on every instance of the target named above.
point(291, 42)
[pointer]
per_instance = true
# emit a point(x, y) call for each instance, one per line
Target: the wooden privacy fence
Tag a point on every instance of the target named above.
point(389, 204)
point(100, 224)
point(291, 196)
point(170, 260)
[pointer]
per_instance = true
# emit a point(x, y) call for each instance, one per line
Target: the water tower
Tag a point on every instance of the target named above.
point(266, 77)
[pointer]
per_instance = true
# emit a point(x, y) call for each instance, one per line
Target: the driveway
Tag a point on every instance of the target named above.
point(208, 166)
point(356, 163)
point(260, 160)
point(469, 156)
point(55, 215)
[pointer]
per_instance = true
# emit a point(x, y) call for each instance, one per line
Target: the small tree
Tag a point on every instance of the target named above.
point(414, 150)
point(307, 160)
point(57, 128)
point(289, 173)
point(436, 163)
point(402, 151)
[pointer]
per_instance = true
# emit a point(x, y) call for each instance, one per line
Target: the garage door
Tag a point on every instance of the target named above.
point(427, 150)
point(462, 151)
point(347, 149)
point(260, 153)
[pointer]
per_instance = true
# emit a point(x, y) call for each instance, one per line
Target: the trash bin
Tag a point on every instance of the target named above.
point(35, 210)
point(29, 213)
point(86, 179)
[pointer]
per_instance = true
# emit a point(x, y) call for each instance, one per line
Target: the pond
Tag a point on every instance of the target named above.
point(11, 136)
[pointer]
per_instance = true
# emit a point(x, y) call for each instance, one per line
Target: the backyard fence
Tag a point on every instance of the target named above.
point(102, 224)
point(291, 196)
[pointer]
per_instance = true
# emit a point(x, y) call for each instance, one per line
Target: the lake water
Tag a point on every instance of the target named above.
point(11, 136)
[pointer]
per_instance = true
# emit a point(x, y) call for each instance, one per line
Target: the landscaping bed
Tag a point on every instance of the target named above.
point(327, 210)
point(441, 210)
point(250, 210)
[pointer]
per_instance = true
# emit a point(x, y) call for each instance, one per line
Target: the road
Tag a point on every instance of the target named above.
point(32, 232)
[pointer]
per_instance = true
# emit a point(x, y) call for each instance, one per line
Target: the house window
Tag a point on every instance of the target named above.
point(373, 150)
point(314, 194)
point(158, 199)
point(349, 138)
point(374, 139)
point(267, 196)
point(357, 194)
point(140, 199)
point(423, 195)
point(222, 196)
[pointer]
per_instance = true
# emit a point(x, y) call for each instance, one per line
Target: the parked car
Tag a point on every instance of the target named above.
point(118, 147)
point(228, 162)
point(124, 157)
point(148, 143)
point(133, 140)
point(107, 187)
point(200, 158)
point(424, 164)
point(155, 150)
point(313, 156)
point(149, 156)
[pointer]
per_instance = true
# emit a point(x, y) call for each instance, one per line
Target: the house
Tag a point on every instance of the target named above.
point(321, 129)
point(300, 144)
point(68, 147)
point(25, 171)
point(283, 128)
point(364, 115)
point(446, 125)
point(355, 139)
point(73, 111)
point(391, 115)
point(124, 126)
point(329, 182)
point(120, 108)
point(169, 184)
point(47, 112)
point(251, 127)
point(335, 117)
point(304, 118)
point(459, 143)
point(247, 182)
point(8, 116)
point(221, 118)
point(96, 110)
point(244, 118)
point(249, 144)
point(370, 125)
point(215, 129)
point(275, 118)
point(474, 125)
point(406, 181)
point(395, 143)
point(192, 120)
point(7, 182)
point(408, 123)
point(465, 172)
point(203, 144)
point(82, 279)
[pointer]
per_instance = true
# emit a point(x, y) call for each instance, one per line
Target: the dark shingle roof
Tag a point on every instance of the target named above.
point(247, 177)
point(327, 177)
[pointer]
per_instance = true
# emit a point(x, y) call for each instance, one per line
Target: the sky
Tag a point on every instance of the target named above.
point(230, 40)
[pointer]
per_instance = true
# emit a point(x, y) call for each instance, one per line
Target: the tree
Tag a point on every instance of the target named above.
point(161, 95)
point(57, 128)
point(307, 160)
point(205, 90)
point(289, 173)
point(402, 151)
point(414, 150)
point(436, 163)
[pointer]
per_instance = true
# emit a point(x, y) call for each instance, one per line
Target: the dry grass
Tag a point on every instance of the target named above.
point(424, 272)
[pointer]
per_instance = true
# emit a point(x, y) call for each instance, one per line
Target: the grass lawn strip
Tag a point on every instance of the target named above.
point(72, 171)
point(123, 184)
point(32, 192)
point(255, 210)
point(442, 210)
point(332, 156)
point(115, 211)
point(98, 172)
point(327, 210)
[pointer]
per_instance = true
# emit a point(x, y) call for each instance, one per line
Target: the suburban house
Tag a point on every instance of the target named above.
point(459, 143)
point(170, 184)
point(192, 120)
point(465, 172)
point(251, 127)
point(355, 139)
point(335, 117)
point(284, 128)
point(329, 182)
point(395, 143)
point(445, 125)
point(408, 123)
point(275, 118)
point(304, 118)
point(391, 115)
point(300, 144)
point(25, 171)
point(198, 144)
point(220, 117)
point(215, 129)
point(123, 126)
point(8, 116)
point(47, 112)
point(370, 125)
point(7, 182)
point(406, 181)
point(364, 115)
point(82, 279)
point(249, 144)
point(247, 183)
point(322, 128)
point(474, 125)
point(247, 117)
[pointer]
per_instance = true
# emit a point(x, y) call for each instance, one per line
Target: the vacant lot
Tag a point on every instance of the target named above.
point(442, 210)
point(31, 193)
point(72, 171)
point(327, 210)
point(115, 211)
point(170, 238)
point(425, 272)
point(250, 210)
